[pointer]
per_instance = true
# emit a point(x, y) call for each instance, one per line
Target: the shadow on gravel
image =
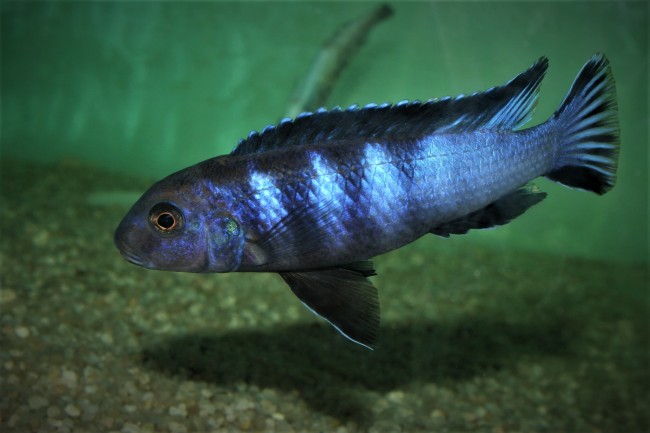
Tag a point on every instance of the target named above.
point(329, 371)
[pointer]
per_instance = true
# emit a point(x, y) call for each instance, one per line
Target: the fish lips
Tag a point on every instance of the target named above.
point(120, 240)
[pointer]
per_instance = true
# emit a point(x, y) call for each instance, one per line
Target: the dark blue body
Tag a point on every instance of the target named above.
point(316, 197)
point(382, 194)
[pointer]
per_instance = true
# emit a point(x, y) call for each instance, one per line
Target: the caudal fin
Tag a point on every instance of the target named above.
point(588, 129)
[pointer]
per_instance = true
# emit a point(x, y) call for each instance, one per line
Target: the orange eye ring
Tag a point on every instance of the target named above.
point(165, 218)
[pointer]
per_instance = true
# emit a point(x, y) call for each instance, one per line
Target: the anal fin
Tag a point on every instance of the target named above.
point(342, 296)
point(497, 213)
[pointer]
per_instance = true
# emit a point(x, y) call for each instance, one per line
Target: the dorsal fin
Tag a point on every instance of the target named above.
point(505, 107)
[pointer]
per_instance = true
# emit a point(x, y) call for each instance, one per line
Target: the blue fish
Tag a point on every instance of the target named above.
point(315, 198)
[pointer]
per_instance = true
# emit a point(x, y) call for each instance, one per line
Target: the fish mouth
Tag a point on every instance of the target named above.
point(131, 258)
point(126, 252)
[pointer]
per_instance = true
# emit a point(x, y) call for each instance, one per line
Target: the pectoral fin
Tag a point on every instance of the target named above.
point(302, 232)
point(342, 296)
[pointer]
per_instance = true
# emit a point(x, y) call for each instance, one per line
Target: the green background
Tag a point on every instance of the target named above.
point(148, 88)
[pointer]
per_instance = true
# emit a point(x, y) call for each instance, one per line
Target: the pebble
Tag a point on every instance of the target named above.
point(175, 427)
point(22, 331)
point(13, 379)
point(129, 427)
point(267, 406)
point(129, 388)
point(206, 409)
point(72, 410)
point(395, 396)
point(161, 316)
point(438, 414)
point(147, 427)
point(179, 410)
point(244, 404)
point(69, 378)
point(53, 411)
point(384, 426)
point(245, 423)
point(7, 295)
point(89, 411)
point(143, 378)
point(41, 238)
point(107, 338)
point(37, 402)
point(107, 422)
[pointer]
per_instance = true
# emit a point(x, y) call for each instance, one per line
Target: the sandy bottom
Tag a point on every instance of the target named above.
point(472, 339)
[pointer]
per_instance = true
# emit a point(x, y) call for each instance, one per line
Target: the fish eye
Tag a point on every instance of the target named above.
point(165, 217)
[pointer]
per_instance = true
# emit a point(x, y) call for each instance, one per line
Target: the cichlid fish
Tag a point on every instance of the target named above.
point(315, 198)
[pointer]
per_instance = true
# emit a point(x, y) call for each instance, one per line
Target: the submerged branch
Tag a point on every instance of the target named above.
point(313, 90)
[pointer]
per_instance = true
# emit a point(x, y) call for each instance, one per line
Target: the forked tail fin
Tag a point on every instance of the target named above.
point(588, 130)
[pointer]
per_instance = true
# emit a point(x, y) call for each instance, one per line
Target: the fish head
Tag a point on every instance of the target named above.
point(171, 227)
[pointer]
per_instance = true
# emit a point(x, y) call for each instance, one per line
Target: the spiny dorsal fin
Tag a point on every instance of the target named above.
point(505, 107)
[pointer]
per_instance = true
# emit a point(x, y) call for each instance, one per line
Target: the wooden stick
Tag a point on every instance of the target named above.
point(313, 90)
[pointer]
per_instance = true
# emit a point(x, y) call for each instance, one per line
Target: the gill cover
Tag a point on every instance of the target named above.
point(225, 242)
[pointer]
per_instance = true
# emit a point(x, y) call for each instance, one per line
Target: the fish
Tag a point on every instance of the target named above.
point(316, 197)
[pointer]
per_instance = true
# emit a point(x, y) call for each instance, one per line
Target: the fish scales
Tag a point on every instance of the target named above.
point(315, 198)
point(383, 194)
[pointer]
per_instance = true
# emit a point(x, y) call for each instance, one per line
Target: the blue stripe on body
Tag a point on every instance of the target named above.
point(325, 188)
point(258, 201)
point(386, 187)
point(267, 195)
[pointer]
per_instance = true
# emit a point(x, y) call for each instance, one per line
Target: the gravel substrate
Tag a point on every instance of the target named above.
point(472, 339)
